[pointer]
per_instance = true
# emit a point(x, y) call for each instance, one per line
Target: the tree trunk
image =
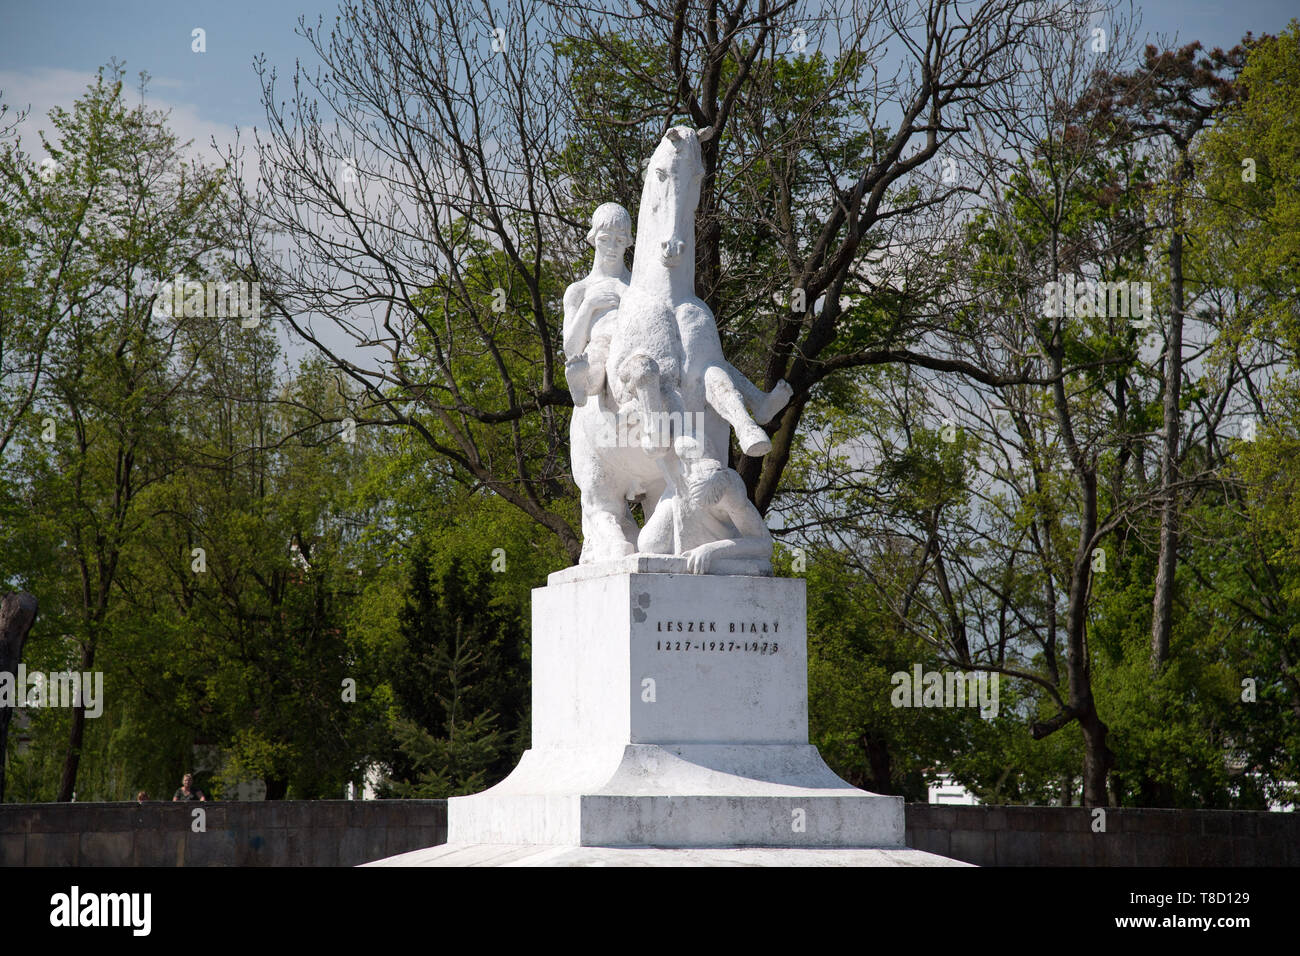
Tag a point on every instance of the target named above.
point(17, 613)
point(1162, 604)
point(68, 783)
point(763, 475)
point(878, 758)
point(1097, 757)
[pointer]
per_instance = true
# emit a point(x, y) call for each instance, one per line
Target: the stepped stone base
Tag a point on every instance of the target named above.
point(489, 854)
point(769, 795)
point(670, 728)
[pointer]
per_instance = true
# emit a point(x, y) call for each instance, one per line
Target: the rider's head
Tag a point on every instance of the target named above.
point(611, 225)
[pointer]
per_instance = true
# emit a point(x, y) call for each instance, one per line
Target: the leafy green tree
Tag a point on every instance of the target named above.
point(805, 190)
point(1171, 98)
point(1253, 181)
point(853, 652)
point(458, 680)
point(268, 668)
point(115, 208)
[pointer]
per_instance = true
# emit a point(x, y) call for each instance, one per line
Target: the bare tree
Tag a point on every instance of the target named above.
point(1004, 518)
point(441, 162)
point(834, 178)
point(410, 175)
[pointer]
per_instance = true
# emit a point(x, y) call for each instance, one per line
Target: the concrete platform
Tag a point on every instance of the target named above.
point(481, 854)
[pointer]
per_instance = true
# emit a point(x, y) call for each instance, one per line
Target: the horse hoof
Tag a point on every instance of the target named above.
point(776, 400)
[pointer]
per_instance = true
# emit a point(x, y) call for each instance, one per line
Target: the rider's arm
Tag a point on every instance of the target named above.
point(577, 321)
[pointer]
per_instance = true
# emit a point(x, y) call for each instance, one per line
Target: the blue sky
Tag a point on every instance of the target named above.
point(49, 49)
point(80, 35)
point(49, 52)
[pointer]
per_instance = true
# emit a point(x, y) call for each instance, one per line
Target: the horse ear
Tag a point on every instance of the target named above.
point(705, 134)
point(675, 134)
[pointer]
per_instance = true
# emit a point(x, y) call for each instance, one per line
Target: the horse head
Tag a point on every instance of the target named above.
point(666, 220)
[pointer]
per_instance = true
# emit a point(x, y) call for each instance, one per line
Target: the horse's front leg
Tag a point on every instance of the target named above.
point(725, 399)
point(608, 530)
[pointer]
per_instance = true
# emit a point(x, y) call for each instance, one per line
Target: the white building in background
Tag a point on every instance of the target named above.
point(948, 791)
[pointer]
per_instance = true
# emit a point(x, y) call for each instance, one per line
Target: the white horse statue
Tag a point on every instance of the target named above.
point(653, 372)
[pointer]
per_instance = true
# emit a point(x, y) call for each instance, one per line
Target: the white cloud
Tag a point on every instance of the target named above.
point(44, 88)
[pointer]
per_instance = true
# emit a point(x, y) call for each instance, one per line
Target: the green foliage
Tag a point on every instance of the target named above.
point(449, 766)
point(459, 669)
point(853, 650)
point(1253, 180)
point(332, 560)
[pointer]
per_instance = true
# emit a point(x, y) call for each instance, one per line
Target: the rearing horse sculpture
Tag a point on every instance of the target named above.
point(661, 318)
point(664, 365)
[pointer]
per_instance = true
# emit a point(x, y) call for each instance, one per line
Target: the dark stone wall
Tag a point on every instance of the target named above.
point(270, 833)
point(1063, 836)
point(349, 832)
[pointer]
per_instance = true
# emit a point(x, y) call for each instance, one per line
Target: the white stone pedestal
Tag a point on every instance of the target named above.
point(671, 710)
